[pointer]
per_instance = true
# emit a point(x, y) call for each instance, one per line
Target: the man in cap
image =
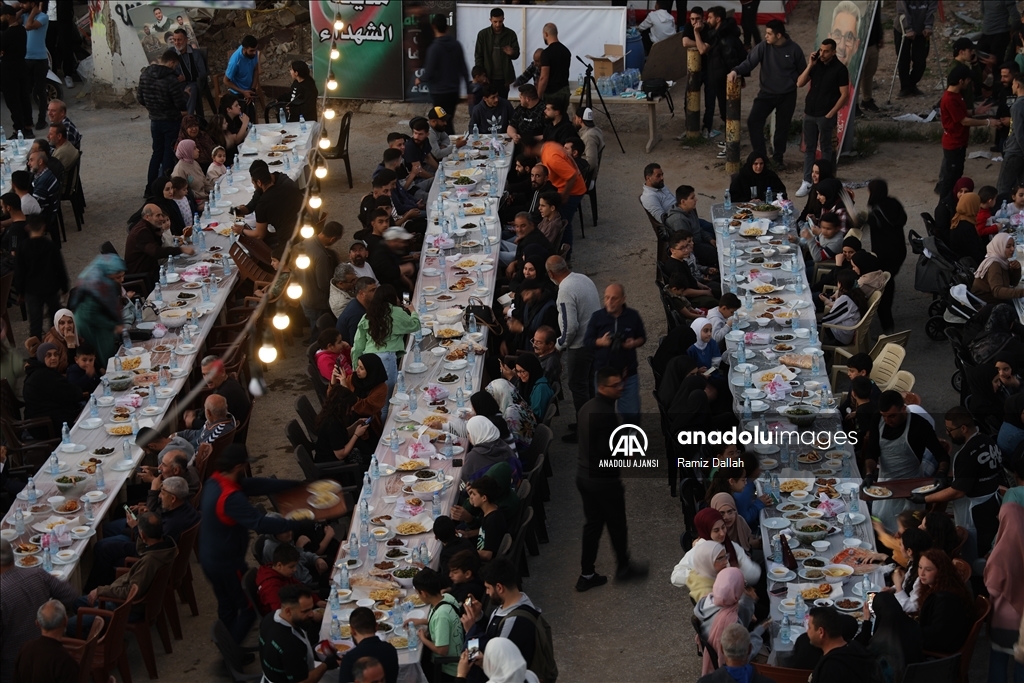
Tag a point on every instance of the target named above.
point(593, 138)
point(441, 144)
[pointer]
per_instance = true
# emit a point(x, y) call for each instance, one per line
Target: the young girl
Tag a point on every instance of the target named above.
point(738, 482)
point(849, 305)
point(705, 348)
point(217, 168)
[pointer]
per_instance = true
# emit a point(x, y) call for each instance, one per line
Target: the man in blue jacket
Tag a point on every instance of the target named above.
point(445, 70)
point(228, 517)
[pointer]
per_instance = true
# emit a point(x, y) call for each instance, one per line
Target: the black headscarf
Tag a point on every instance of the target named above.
point(830, 189)
point(1013, 406)
point(375, 375)
point(169, 207)
point(676, 372)
point(485, 404)
point(746, 178)
point(866, 262)
point(674, 344)
point(813, 206)
point(531, 364)
point(897, 637)
point(690, 408)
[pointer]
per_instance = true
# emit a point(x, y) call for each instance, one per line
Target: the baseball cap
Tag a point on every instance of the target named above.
point(436, 113)
point(397, 233)
point(588, 114)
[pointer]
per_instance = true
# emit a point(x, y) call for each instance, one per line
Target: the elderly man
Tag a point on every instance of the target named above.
point(276, 202)
point(655, 197)
point(45, 659)
point(527, 234)
point(219, 422)
point(614, 333)
point(343, 288)
point(230, 388)
point(174, 462)
point(157, 443)
point(46, 190)
point(593, 138)
point(543, 342)
point(57, 112)
point(736, 648)
point(63, 150)
point(145, 247)
point(191, 69)
point(316, 292)
point(21, 593)
point(348, 321)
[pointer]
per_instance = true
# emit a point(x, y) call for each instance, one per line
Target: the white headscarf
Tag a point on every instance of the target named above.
point(481, 430)
point(994, 253)
point(501, 390)
point(698, 325)
point(704, 555)
point(503, 663)
point(65, 313)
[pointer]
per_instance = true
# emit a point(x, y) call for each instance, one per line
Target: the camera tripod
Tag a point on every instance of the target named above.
point(586, 98)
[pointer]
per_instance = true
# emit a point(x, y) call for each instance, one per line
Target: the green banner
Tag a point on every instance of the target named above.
point(369, 65)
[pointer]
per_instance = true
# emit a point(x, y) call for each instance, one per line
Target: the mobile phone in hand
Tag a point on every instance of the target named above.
point(128, 512)
point(473, 647)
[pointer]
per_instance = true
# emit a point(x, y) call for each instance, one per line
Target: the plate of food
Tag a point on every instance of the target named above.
point(413, 464)
point(449, 378)
point(849, 604)
point(927, 488)
point(419, 524)
point(29, 562)
point(323, 500)
point(809, 458)
point(24, 549)
point(119, 429)
point(878, 492)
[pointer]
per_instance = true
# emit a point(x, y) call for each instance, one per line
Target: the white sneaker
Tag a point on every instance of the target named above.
point(805, 187)
point(68, 82)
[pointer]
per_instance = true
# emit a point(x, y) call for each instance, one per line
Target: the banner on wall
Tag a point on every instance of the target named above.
point(848, 22)
point(156, 23)
point(370, 47)
point(416, 38)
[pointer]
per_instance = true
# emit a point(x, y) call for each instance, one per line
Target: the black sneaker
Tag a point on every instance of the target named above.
point(571, 437)
point(633, 570)
point(583, 584)
point(869, 105)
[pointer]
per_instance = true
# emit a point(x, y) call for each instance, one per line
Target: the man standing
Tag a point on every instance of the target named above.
point(1011, 173)
point(14, 77)
point(997, 16)
point(828, 94)
point(614, 333)
point(63, 150)
point(191, 70)
point(164, 98)
point(593, 138)
point(276, 202)
point(724, 53)
point(553, 83)
point(867, 72)
point(604, 497)
point(655, 197)
point(35, 21)
point(286, 654)
point(911, 34)
point(45, 659)
point(242, 77)
point(497, 47)
point(316, 293)
point(697, 34)
point(955, 125)
point(444, 70)
point(578, 300)
point(781, 61)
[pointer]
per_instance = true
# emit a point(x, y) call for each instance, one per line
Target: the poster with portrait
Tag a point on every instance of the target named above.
point(848, 22)
point(369, 65)
point(156, 24)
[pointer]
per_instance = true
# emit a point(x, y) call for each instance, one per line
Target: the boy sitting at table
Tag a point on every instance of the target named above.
point(675, 291)
point(83, 373)
point(312, 570)
point(464, 570)
point(275, 575)
point(719, 316)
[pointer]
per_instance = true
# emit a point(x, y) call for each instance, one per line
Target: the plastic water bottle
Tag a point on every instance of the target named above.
point(776, 543)
point(206, 293)
point(94, 410)
point(469, 383)
point(173, 363)
point(364, 533)
point(462, 210)
point(814, 335)
point(472, 318)
point(435, 505)
point(374, 469)
point(476, 132)
point(748, 301)
point(302, 123)
point(126, 450)
point(471, 359)
point(769, 196)
point(21, 139)
point(3, 136)
point(728, 200)
point(117, 364)
point(799, 286)
point(163, 276)
point(343, 579)
point(353, 546)
point(855, 498)
point(335, 605)
point(748, 413)
point(396, 615)
point(815, 364)
point(400, 382)
point(126, 340)
point(170, 265)
point(785, 632)
point(99, 481)
point(225, 263)
point(106, 387)
point(865, 587)
point(741, 352)
point(848, 525)
point(88, 511)
point(213, 284)
point(801, 612)
point(417, 354)
point(30, 491)
point(371, 551)
point(65, 434)
point(413, 637)
point(158, 294)
point(19, 521)
point(54, 464)
point(460, 398)
point(47, 559)
point(748, 380)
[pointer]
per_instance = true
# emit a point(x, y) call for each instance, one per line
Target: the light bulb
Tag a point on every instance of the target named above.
point(302, 262)
point(332, 82)
point(329, 113)
point(281, 320)
point(334, 53)
point(338, 23)
point(294, 291)
point(306, 231)
point(267, 353)
point(321, 171)
point(315, 201)
point(324, 143)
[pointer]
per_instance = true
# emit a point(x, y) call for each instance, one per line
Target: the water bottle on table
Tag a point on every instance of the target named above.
point(94, 410)
point(65, 434)
point(54, 464)
point(30, 491)
point(98, 480)
point(19, 521)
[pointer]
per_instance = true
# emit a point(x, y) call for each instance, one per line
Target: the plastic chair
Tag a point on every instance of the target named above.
point(179, 569)
point(945, 670)
point(69, 191)
point(781, 674)
point(20, 451)
point(84, 650)
point(515, 554)
point(297, 437)
point(6, 282)
point(233, 653)
point(902, 382)
point(861, 331)
point(307, 413)
point(251, 590)
point(703, 645)
point(592, 193)
point(963, 569)
point(153, 604)
point(542, 438)
point(506, 545)
point(886, 359)
point(110, 650)
point(348, 474)
point(550, 413)
point(340, 149)
point(981, 610)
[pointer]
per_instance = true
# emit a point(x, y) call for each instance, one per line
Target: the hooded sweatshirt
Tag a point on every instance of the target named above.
point(848, 664)
point(780, 66)
point(503, 624)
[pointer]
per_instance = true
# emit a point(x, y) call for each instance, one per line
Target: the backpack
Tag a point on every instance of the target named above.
point(543, 664)
point(658, 87)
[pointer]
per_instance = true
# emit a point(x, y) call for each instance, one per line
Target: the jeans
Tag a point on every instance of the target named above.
point(567, 210)
point(312, 315)
point(997, 663)
point(628, 405)
point(164, 132)
point(34, 304)
point(577, 364)
point(390, 360)
point(36, 70)
point(817, 130)
point(952, 169)
point(192, 90)
point(233, 607)
point(604, 504)
point(915, 51)
point(1010, 173)
point(783, 106)
point(507, 252)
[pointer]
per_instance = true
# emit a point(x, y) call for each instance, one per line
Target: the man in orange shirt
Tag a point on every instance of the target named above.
point(564, 175)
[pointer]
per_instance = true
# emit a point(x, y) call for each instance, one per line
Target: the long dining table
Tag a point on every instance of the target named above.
point(767, 271)
point(458, 267)
point(160, 367)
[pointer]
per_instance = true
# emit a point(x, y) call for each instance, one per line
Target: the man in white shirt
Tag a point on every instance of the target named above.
point(656, 198)
point(659, 22)
point(357, 255)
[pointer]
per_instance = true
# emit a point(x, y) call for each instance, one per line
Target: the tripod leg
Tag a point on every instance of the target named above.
point(605, 108)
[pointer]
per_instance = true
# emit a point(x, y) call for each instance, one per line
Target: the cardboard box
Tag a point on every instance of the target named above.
point(612, 61)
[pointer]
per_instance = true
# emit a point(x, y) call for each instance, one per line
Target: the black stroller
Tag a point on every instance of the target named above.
point(948, 279)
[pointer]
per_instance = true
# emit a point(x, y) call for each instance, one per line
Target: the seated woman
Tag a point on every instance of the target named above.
point(486, 450)
point(987, 399)
point(338, 429)
point(890, 636)
point(754, 179)
point(832, 198)
point(533, 384)
point(705, 349)
point(382, 331)
point(334, 352)
point(738, 482)
point(821, 170)
point(997, 277)
point(62, 335)
point(913, 543)
point(870, 276)
point(516, 411)
point(728, 604)
point(368, 382)
point(947, 611)
point(946, 208)
point(709, 558)
point(735, 526)
point(188, 168)
point(484, 404)
point(963, 238)
point(711, 527)
point(908, 519)
point(846, 309)
point(47, 392)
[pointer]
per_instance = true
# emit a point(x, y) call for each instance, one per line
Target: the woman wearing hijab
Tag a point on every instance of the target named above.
point(705, 349)
point(161, 193)
point(533, 385)
point(339, 430)
point(821, 170)
point(190, 130)
point(1006, 591)
point(486, 450)
point(711, 527)
point(672, 346)
point(735, 526)
point(946, 207)
point(484, 404)
point(63, 336)
point(369, 382)
point(503, 663)
point(987, 398)
point(188, 168)
point(96, 302)
point(709, 558)
point(963, 238)
point(886, 220)
point(729, 603)
point(47, 392)
point(754, 179)
point(304, 94)
point(516, 411)
point(870, 276)
point(891, 636)
point(675, 373)
point(690, 411)
point(997, 277)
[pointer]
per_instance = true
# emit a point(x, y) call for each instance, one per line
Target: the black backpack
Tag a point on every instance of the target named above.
point(543, 664)
point(658, 87)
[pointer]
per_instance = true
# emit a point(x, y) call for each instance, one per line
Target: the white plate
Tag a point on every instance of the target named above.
point(229, 190)
point(23, 494)
point(173, 277)
point(353, 563)
point(415, 368)
point(185, 349)
point(856, 517)
point(213, 212)
point(73, 447)
point(91, 423)
point(122, 466)
point(151, 410)
point(928, 488)
point(178, 372)
point(164, 392)
point(95, 496)
point(65, 557)
point(788, 576)
point(105, 401)
point(82, 537)
point(456, 364)
point(430, 272)
point(775, 523)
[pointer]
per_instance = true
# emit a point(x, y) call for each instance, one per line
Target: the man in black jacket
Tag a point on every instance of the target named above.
point(444, 70)
point(14, 79)
point(364, 635)
point(842, 662)
point(724, 52)
point(144, 247)
point(163, 95)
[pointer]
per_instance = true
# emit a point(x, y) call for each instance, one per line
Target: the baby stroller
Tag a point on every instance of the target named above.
point(938, 273)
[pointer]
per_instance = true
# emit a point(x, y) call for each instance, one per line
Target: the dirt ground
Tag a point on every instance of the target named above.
point(632, 632)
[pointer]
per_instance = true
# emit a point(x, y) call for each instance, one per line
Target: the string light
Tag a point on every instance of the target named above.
point(294, 291)
point(302, 262)
point(315, 201)
point(306, 231)
point(321, 170)
point(267, 352)
point(338, 23)
point(324, 143)
point(281, 319)
point(334, 52)
point(329, 113)
point(332, 82)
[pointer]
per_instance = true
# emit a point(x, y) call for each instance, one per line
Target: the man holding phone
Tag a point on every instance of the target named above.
point(828, 93)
